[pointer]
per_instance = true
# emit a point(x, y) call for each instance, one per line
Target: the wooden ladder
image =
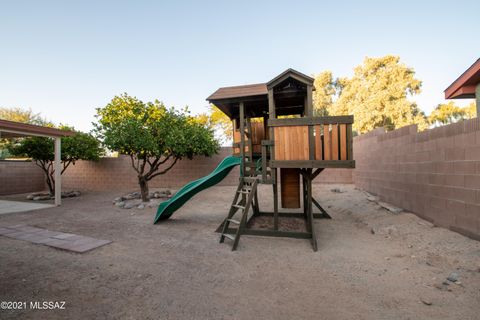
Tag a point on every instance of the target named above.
point(245, 198)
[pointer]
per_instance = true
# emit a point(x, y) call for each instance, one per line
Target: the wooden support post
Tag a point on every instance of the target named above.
point(310, 213)
point(275, 200)
point(272, 115)
point(251, 171)
point(58, 171)
point(309, 113)
point(271, 133)
point(242, 138)
point(304, 191)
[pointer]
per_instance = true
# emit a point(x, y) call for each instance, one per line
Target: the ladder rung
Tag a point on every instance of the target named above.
point(244, 191)
point(233, 221)
point(239, 206)
point(229, 236)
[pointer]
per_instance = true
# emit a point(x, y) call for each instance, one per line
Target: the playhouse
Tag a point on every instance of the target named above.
point(280, 142)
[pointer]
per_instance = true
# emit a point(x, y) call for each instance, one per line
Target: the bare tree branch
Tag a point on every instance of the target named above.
point(163, 171)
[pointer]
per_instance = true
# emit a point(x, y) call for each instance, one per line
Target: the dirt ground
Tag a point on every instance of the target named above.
point(371, 264)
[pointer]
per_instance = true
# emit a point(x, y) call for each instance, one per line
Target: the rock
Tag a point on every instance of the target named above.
point(153, 203)
point(425, 223)
point(120, 204)
point(453, 277)
point(390, 207)
point(426, 301)
point(388, 230)
point(131, 196)
point(373, 198)
point(30, 197)
point(129, 205)
point(337, 190)
point(76, 193)
point(117, 199)
point(141, 206)
point(39, 198)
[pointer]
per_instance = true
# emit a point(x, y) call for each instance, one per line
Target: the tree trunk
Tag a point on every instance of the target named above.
point(143, 188)
point(50, 184)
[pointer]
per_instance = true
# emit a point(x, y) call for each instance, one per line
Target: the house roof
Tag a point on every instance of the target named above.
point(12, 129)
point(464, 86)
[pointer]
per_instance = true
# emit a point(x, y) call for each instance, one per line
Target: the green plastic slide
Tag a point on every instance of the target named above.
point(167, 208)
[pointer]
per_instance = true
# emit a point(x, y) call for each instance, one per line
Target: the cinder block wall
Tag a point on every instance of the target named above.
point(434, 173)
point(118, 174)
point(20, 177)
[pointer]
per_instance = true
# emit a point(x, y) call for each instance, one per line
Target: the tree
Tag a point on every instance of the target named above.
point(81, 146)
point(447, 113)
point(219, 122)
point(154, 137)
point(470, 111)
point(21, 115)
point(377, 95)
point(18, 115)
point(324, 93)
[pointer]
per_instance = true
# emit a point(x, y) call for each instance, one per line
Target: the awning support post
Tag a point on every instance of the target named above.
point(58, 171)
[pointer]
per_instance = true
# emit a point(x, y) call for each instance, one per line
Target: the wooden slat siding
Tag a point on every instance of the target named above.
point(349, 142)
point(290, 188)
point(236, 139)
point(327, 143)
point(334, 141)
point(318, 143)
point(343, 142)
point(258, 134)
point(291, 143)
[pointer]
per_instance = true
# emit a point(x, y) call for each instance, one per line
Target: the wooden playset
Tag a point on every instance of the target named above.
point(281, 143)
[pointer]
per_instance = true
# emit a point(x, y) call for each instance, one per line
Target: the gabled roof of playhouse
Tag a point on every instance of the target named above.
point(464, 86)
point(254, 96)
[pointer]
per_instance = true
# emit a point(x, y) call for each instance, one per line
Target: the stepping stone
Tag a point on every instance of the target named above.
point(60, 240)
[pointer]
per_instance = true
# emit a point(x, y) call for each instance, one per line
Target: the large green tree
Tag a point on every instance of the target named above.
point(378, 95)
point(81, 146)
point(18, 115)
point(21, 115)
point(446, 113)
point(324, 93)
point(153, 136)
point(218, 121)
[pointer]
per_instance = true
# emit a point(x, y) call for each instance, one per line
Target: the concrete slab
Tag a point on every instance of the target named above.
point(19, 206)
point(60, 240)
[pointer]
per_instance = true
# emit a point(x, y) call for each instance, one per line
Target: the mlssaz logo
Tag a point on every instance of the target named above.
point(47, 305)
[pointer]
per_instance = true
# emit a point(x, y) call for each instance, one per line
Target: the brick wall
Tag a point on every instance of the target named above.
point(117, 174)
point(434, 173)
point(20, 177)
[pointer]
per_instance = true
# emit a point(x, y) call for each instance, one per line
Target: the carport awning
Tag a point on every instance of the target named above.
point(12, 129)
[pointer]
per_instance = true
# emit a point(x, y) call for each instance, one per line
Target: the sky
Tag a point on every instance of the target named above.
point(64, 59)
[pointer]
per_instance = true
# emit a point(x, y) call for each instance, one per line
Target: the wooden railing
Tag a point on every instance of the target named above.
point(312, 142)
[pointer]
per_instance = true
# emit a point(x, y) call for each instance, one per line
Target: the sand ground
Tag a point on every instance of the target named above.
point(371, 264)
